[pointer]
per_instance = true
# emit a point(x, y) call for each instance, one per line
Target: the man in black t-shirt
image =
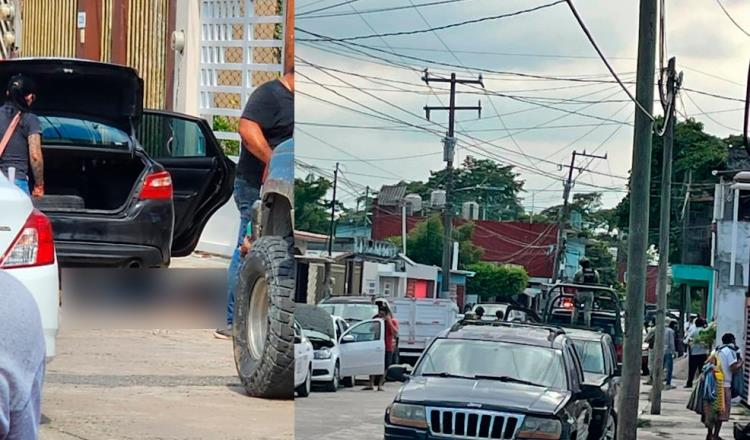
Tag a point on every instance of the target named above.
point(267, 120)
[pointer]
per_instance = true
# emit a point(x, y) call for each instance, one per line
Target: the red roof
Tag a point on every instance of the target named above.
point(528, 245)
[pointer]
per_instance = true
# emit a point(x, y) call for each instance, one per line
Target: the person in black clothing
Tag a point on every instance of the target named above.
point(587, 275)
point(23, 151)
point(479, 312)
point(267, 121)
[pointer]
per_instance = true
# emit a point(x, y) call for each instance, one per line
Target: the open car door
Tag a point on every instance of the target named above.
point(362, 349)
point(202, 176)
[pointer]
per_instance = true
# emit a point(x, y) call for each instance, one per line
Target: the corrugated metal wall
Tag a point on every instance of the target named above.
point(49, 18)
point(147, 48)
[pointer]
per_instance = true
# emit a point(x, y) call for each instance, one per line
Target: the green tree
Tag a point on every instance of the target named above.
point(495, 187)
point(311, 210)
point(694, 150)
point(499, 282)
point(597, 251)
point(424, 243)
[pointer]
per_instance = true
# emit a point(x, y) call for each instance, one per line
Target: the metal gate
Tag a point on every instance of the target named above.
point(147, 47)
point(43, 19)
point(241, 48)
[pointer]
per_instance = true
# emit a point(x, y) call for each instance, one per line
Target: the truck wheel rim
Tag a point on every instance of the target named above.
point(257, 325)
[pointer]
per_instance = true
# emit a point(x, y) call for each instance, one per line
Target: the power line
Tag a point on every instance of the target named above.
point(604, 59)
point(326, 8)
point(439, 28)
point(734, 22)
point(372, 11)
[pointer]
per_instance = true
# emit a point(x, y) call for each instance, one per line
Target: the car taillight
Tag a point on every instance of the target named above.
point(567, 303)
point(157, 186)
point(34, 245)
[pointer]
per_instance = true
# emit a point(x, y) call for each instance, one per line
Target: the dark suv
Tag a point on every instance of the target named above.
point(493, 380)
point(600, 369)
point(125, 187)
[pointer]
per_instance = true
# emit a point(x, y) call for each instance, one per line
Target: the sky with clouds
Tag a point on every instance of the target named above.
point(361, 101)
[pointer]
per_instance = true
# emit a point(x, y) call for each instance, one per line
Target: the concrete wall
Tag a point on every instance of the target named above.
point(187, 63)
point(729, 297)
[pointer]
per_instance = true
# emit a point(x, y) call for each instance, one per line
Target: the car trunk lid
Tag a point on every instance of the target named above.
point(107, 93)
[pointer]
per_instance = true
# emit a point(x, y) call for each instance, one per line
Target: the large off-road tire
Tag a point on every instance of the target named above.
point(263, 314)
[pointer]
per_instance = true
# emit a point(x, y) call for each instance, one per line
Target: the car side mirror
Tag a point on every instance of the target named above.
point(398, 373)
point(297, 339)
point(618, 370)
point(588, 392)
point(347, 339)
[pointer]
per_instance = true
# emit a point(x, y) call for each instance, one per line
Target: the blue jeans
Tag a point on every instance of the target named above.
point(669, 366)
point(24, 185)
point(244, 196)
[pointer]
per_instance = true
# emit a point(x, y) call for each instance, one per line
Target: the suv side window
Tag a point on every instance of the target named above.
point(609, 355)
point(577, 370)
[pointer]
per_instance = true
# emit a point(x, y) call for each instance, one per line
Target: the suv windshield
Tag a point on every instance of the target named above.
point(473, 358)
point(67, 131)
point(592, 356)
point(351, 312)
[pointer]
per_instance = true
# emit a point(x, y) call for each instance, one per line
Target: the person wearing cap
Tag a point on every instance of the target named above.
point(21, 145)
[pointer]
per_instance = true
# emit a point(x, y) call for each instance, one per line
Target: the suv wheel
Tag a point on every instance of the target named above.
point(263, 313)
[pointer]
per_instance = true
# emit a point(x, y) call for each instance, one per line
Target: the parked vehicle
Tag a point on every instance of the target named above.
point(27, 252)
point(353, 309)
point(358, 351)
point(606, 315)
point(419, 321)
point(264, 300)
point(303, 358)
point(599, 360)
point(125, 187)
point(493, 380)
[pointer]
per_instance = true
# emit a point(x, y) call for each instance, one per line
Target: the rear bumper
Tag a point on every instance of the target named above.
point(44, 285)
point(83, 254)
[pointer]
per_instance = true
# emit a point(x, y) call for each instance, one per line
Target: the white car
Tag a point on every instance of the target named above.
point(303, 359)
point(356, 351)
point(27, 251)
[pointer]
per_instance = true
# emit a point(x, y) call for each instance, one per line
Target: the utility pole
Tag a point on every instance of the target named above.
point(657, 375)
point(638, 225)
point(562, 213)
point(449, 147)
point(367, 198)
point(333, 210)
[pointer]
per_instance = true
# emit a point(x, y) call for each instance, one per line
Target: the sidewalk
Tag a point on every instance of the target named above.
point(678, 422)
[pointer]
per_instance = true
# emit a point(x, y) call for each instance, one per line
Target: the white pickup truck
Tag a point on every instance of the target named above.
point(419, 321)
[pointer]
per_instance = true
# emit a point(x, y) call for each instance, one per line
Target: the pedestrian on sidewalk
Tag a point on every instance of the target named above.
point(669, 352)
point(698, 350)
point(723, 362)
point(649, 339)
point(267, 121)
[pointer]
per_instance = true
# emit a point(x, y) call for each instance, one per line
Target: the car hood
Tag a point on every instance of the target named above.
point(491, 394)
point(315, 321)
point(107, 93)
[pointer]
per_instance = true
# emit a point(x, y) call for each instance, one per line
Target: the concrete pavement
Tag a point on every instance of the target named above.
point(347, 414)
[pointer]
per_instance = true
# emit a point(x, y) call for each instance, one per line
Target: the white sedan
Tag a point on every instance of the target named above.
point(357, 351)
point(303, 359)
point(27, 252)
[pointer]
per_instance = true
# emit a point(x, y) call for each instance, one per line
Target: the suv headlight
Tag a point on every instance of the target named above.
point(539, 428)
point(402, 414)
point(323, 353)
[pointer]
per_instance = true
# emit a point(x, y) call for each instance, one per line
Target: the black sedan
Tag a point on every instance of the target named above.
point(493, 380)
point(125, 187)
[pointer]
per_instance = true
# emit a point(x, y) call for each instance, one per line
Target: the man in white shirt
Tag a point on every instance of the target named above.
point(698, 351)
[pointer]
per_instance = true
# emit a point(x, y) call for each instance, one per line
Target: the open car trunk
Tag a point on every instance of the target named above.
point(80, 179)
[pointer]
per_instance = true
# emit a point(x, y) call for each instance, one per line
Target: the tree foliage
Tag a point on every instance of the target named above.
point(424, 243)
point(497, 282)
point(495, 187)
point(694, 151)
point(311, 210)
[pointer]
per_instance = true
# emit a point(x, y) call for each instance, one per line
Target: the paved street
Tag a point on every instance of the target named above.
point(347, 414)
point(352, 413)
point(154, 384)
